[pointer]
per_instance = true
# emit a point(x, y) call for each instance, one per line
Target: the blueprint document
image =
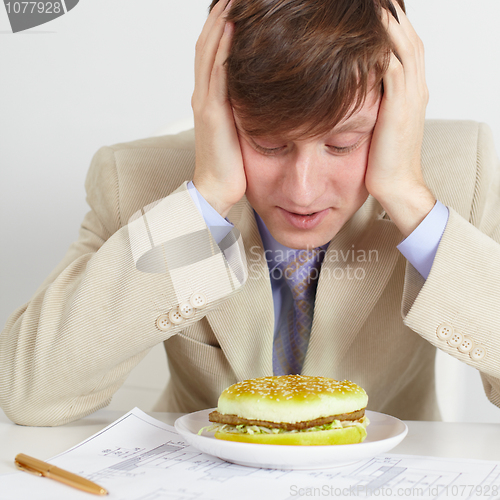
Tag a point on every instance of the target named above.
point(140, 458)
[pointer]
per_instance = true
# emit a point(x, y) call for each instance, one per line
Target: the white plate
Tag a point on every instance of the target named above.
point(384, 433)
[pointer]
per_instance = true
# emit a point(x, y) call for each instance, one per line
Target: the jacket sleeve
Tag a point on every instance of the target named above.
point(457, 308)
point(67, 351)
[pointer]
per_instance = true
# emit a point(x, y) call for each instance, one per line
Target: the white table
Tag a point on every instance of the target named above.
point(439, 439)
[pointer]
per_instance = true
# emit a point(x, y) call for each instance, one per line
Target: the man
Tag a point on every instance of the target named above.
point(298, 147)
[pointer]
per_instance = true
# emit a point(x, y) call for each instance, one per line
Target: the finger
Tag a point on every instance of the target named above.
point(403, 19)
point(211, 19)
point(394, 80)
point(405, 50)
point(410, 44)
point(214, 15)
point(416, 41)
point(393, 10)
point(218, 77)
point(407, 26)
point(206, 53)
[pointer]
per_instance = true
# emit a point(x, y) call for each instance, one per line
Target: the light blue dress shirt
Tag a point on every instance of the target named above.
point(419, 248)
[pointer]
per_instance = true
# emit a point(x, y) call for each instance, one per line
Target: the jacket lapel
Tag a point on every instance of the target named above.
point(357, 266)
point(244, 324)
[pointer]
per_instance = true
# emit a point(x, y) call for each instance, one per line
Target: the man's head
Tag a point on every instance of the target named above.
point(305, 84)
point(303, 65)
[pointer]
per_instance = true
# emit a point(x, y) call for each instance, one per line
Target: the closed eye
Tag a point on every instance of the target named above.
point(344, 149)
point(268, 151)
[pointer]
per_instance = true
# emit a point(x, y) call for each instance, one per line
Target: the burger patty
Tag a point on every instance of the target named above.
point(220, 418)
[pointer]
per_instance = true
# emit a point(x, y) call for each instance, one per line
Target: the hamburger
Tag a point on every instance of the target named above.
point(291, 410)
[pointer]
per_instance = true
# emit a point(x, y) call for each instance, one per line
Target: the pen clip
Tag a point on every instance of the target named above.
point(25, 468)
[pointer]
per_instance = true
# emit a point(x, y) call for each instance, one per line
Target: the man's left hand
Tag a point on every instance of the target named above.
point(394, 176)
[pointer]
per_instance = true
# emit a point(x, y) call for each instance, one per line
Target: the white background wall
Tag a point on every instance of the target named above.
point(117, 70)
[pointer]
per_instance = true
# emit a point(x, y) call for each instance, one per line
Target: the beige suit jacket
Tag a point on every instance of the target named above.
point(65, 353)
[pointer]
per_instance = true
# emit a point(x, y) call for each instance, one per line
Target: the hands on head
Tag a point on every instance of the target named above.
point(392, 160)
point(394, 174)
point(219, 174)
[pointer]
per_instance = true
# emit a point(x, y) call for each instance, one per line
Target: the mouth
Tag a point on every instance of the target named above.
point(311, 212)
point(308, 220)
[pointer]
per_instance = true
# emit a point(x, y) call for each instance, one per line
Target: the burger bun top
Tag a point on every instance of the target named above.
point(291, 398)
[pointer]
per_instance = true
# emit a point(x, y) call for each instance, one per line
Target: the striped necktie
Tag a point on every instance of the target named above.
point(301, 274)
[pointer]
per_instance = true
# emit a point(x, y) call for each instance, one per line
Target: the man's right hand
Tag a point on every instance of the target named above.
point(219, 174)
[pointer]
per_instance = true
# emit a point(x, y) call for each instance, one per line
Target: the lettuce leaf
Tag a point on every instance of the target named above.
point(259, 429)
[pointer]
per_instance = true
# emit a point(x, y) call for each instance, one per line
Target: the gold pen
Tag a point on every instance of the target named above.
point(39, 468)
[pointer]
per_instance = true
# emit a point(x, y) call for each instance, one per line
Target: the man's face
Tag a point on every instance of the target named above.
point(286, 180)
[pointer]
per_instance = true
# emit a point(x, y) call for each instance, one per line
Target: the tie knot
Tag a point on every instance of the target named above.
point(301, 272)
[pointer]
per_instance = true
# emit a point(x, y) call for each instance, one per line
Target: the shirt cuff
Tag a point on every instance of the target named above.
point(218, 226)
point(421, 245)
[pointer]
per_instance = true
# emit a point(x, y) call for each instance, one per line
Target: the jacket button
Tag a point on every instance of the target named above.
point(456, 339)
point(198, 300)
point(163, 322)
point(466, 345)
point(186, 310)
point(479, 352)
point(175, 316)
point(444, 331)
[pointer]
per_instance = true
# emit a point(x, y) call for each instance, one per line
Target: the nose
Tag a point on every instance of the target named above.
point(302, 178)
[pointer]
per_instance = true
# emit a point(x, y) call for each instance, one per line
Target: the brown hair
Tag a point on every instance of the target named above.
point(304, 65)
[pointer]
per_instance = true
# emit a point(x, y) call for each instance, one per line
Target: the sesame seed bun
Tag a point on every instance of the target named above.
point(291, 398)
point(292, 410)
